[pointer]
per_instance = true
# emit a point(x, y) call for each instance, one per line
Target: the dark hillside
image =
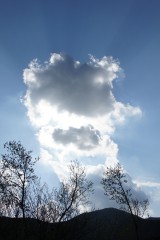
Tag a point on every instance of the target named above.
point(106, 224)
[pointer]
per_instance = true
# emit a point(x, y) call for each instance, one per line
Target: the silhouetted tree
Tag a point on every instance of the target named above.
point(17, 174)
point(62, 203)
point(73, 193)
point(114, 184)
point(21, 193)
point(41, 203)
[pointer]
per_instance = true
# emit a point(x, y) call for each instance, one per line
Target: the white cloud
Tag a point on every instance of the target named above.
point(74, 110)
point(95, 173)
point(73, 103)
point(147, 183)
point(152, 189)
point(82, 89)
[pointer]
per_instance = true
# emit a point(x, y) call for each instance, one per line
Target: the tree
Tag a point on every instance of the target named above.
point(114, 184)
point(42, 203)
point(21, 193)
point(17, 174)
point(73, 193)
point(62, 203)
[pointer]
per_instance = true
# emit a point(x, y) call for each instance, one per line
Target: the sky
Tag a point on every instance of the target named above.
point(80, 80)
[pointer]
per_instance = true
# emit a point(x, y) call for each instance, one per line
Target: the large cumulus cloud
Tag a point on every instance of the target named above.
point(64, 97)
point(82, 89)
point(74, 110)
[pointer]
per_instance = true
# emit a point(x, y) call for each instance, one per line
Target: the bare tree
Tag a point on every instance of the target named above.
point(114, 184)
point(41, 203)
point(73, 193)
point(17, 173)
point(62, 203)
point(21, 193)
point(139, 207)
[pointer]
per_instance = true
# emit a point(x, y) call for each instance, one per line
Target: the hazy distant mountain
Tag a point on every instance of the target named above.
point(106, 224)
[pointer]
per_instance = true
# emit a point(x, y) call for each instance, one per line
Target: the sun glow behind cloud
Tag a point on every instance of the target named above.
point(74, 110)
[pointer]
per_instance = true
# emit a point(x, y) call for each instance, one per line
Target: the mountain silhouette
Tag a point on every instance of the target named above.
point(105, 224)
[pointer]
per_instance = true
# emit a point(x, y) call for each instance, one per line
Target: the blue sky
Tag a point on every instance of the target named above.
point(127, 30)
